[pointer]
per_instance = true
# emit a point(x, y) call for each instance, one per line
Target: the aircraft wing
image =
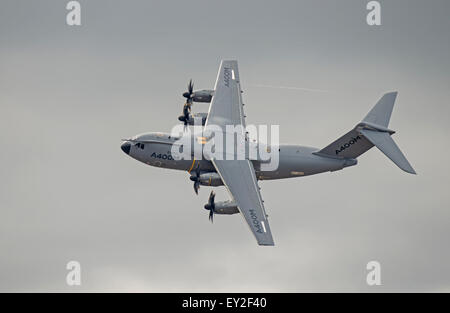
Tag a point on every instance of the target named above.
point(226, 106)
point(238, 175)
point(240, 179)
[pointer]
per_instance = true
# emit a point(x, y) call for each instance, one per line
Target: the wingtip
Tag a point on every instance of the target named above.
point(409, 169)
point(392, 93)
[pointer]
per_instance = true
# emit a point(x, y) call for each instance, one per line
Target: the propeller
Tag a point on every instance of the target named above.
point(196, 179)
point(188, 94)
point(187, 106)
point(211, 206)
point(186, 113)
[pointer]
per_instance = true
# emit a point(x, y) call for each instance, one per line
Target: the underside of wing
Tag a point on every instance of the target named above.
point(240, 180)
point(238, 175)
point(226, 105)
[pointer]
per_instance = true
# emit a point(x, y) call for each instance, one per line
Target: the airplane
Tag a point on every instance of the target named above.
point(240, 176)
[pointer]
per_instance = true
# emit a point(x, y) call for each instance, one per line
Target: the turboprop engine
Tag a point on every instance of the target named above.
point(192, 96)
point(222, 207)
point(205, 179)
point(208, 179)
point(194, 119)
point(202, 95)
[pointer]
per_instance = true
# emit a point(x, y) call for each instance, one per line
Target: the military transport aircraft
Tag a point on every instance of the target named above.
point(240, 175)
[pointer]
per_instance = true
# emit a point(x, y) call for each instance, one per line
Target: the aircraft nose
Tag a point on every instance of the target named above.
point(126, 147)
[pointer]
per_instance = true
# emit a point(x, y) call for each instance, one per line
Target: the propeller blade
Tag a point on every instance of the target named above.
point(196, 186)
point(196, 179)
point(211, 215)
point(190, 86)
point(210, 205)
point(186, 110)
point(212, 195)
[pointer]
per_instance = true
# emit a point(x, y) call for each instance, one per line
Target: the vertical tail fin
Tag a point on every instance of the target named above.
point(372, 131)
point(381, 112)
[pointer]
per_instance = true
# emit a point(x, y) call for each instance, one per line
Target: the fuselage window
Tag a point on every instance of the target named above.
point(142, 146)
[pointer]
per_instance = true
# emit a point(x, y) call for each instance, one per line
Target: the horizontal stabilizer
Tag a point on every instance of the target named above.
point(384, 142)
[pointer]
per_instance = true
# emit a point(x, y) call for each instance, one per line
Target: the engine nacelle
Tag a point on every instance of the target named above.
point(202, 95)
point(226, 207)
point(210, 179)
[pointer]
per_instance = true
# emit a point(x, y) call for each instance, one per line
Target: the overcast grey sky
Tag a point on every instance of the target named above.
point(69, 94)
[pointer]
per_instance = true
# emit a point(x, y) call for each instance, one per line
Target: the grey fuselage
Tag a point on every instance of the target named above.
point(294, 160)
